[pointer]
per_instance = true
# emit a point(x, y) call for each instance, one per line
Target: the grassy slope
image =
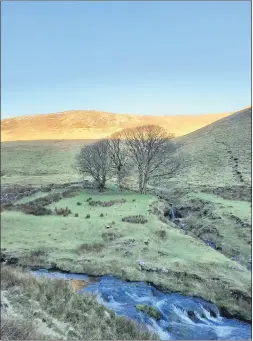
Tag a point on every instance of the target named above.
point(87, 245)
point(209, 153)
point(40, 309)
point(40, 162)
point(227, 223)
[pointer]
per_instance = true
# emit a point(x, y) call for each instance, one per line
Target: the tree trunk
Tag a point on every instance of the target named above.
point(119, 180)
point(140, 182)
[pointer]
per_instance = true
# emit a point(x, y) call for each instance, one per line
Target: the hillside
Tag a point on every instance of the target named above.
point(219, 154)
point(81, 124)
point(206, 153)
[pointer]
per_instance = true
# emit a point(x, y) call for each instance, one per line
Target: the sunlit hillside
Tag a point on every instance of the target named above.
point(83, 124)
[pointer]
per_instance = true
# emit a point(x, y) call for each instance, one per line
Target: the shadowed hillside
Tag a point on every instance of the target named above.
point(83, 124)
point(219, 154)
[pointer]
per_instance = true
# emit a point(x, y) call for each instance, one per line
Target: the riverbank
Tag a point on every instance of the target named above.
point(40, 309)
point(171, 316)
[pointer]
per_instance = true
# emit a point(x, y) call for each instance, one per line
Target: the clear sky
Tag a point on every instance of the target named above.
point(147, 57)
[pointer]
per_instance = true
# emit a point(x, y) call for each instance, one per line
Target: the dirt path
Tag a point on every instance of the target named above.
point(233, 161)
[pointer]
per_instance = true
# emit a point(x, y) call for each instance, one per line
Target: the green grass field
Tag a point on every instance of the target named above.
point(107, 245)
point(40, 162)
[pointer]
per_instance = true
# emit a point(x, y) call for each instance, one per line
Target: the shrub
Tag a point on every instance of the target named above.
point(11, 193)
point(101, 215)
point(134, 200)
point(79, 203)
point(69, 193)
point(36, 207)
point(62, 211)
point(89, 199)
point(162, 234)
point(37, 204)
point(76, 214)
point(87, 216)
point(135, 219)
point(47, 188)
point(106, 203)
point(36, 210)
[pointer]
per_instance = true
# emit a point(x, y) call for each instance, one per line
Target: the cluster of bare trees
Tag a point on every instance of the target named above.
point(147, 151)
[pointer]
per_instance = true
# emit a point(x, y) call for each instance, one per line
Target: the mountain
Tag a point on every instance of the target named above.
point(83, 124)
point(218, 154)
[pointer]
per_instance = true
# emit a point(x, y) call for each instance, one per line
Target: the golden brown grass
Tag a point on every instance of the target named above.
point(53, 307)
point(81, 124)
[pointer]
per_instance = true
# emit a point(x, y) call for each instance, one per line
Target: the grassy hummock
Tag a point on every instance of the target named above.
point(151, 311)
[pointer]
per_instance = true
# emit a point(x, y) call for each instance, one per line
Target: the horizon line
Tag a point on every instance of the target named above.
point(114, 113)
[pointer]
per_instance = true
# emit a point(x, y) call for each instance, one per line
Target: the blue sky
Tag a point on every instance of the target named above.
point(126, 57)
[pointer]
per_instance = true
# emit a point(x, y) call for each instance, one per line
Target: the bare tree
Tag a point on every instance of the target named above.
point(95, 160)
point(119, 157)
point(151, 149)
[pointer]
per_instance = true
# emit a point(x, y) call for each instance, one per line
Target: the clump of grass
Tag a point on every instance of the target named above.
point(79, 203)
point(134, 200)
point(135, 219)
point(101, 215)
point(38, 253)
point(106, 203)
point(34, 258)
point(18, 328)
point(151, 311)
point(87, 216)
point(89, 199)
point(109, 236)
point(161, 234)
point(62, 211)
point(47, 188)
point(70, 193)
point(88, 247)
point(76, 215)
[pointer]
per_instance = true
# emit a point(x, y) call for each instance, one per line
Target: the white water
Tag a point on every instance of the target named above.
point(182, 317)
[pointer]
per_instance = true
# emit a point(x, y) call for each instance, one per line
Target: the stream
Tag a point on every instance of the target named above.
point(181, 317)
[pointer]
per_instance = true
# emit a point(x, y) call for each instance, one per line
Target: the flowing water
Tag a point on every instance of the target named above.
point(182, 317)
point(172, 213)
